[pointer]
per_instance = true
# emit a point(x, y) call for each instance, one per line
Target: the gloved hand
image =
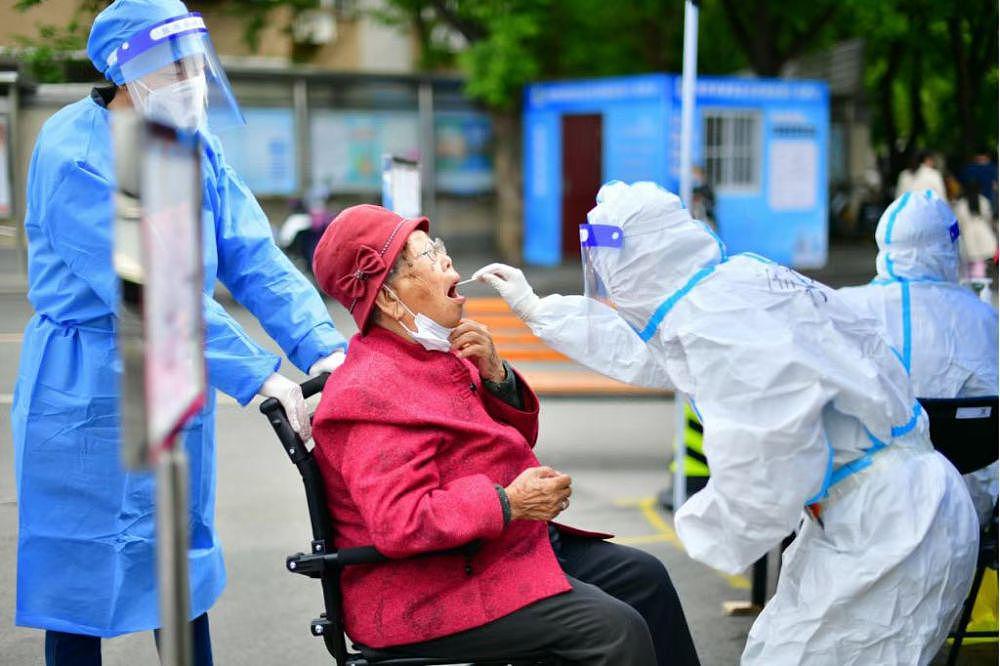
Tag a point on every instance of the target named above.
point(289, 394)
point(327, 363)
point(512, 286)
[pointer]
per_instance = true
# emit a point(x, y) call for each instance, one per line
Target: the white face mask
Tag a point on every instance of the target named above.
point(181, 104)
point(430, 335)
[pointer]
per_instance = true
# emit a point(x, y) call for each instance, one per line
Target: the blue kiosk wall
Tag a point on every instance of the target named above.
point(763, 142)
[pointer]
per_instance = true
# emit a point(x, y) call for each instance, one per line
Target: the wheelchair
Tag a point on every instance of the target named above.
point(965, 430)
point(324, 562)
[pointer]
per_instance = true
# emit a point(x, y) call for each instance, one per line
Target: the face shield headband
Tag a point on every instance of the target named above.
point(174, 75)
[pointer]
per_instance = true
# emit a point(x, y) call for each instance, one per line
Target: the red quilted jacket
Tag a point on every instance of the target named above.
point(410, 445)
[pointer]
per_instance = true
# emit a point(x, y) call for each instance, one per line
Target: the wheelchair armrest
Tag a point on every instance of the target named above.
point(314, 565)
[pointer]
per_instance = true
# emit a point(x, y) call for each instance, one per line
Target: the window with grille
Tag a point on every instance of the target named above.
point(732, 149)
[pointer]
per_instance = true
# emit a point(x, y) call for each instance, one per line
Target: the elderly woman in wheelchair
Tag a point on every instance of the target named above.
point(424, 439)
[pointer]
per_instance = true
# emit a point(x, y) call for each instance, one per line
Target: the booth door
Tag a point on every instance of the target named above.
point(581, 175)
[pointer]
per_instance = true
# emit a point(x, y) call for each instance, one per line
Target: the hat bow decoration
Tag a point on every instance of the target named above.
point(367, 263)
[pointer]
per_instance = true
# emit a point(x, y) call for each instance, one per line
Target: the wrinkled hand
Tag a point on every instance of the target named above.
point(472, 340)
point(512, 286)
point(289, 394)
point(539, 493)
point(327, 363)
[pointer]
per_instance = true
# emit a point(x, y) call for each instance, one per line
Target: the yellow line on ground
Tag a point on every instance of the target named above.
point(641, 539)
point(648, 509)
point(665, 534)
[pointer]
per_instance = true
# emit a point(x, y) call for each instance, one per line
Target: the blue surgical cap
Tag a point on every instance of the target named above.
point(118, 22)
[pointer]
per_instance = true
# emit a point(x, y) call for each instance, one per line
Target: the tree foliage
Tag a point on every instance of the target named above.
point(931, 75)
point(930, 67)
point(48, 53)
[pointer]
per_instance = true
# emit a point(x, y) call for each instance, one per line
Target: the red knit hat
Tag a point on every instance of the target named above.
point(354, 256)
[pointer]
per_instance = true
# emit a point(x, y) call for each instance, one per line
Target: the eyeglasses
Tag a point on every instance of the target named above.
point(435, 251)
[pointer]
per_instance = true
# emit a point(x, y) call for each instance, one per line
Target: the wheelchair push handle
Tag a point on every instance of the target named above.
point(310, 387)
point(314, 385)
point(276, 416)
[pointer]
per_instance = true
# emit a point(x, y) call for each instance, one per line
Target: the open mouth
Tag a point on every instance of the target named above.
point(453, 293)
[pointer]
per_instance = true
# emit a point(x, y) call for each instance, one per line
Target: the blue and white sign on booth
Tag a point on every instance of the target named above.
point(760, 143)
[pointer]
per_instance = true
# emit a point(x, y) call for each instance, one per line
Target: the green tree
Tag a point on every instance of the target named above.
point(770, 34)
point(48, 54)
point(930, 67)
point(931, 74)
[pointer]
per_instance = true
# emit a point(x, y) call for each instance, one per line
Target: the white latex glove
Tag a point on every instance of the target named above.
point(289, 394)
point(512, 286)
point(327, 363)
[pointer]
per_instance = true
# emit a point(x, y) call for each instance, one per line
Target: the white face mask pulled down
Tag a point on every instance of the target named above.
point(430, 335)
point(181, 104)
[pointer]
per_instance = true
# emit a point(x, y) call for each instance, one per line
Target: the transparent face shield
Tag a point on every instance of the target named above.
point(596, 242)
point(600, 249)
point(173, 75)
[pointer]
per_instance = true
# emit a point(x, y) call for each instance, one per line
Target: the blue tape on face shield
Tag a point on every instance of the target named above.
point(596, 240)
point(174, 76)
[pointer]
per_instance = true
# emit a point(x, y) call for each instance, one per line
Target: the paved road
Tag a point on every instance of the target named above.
point(615, 449)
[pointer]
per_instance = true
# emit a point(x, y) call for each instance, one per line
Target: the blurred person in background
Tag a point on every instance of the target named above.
point(294, 230)
point(86, 567)
point(977, 241)
point(702, 198)
point(924, 176)
point(982, 170)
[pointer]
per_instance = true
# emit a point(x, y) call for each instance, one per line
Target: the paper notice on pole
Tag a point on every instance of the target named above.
point(401, 186)
point(172, 306)
point(5, 210)
point(792, 175)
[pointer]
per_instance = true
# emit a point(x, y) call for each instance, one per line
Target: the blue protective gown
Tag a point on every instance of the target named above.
point(86, 550)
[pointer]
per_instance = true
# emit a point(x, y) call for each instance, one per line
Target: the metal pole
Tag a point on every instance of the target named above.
point(758, 588)
point(687, 121)
point(687, 95)
point(172, 537)
point(303, 141)
point(425, 111)
point(680, 424)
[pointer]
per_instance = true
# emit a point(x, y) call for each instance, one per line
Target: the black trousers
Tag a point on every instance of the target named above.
point(622, 610)
point(63, 649)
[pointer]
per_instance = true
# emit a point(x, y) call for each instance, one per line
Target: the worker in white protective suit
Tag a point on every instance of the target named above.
point(945, 336)
point(803, 404)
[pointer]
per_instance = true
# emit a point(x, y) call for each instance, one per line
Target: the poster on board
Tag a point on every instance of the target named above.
point(263, 152)
point(347, 148)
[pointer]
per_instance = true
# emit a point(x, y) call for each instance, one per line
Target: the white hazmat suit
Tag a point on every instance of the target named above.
point(802, 401)
point(945, 335)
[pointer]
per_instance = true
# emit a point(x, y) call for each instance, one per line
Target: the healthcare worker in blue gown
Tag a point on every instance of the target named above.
point(86, 551)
